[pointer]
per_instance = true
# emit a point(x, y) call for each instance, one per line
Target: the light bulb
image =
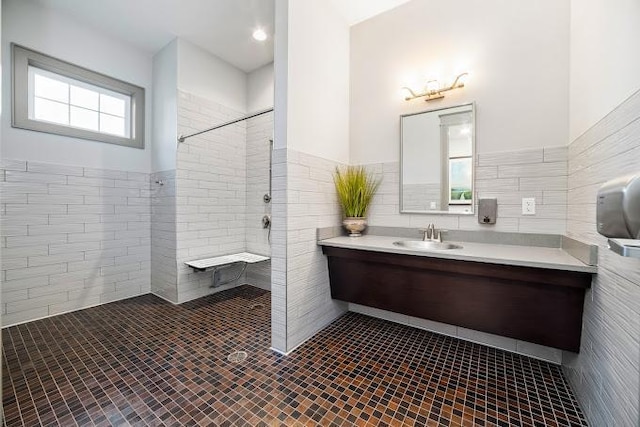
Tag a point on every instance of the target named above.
point(259, 34)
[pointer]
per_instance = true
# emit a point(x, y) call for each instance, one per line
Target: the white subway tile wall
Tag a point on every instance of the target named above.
point(210, 190)
point(259, 134)
point(507, 176)
point(420, 197)
point(164, 273)
point(311, 203)
point(279, 251)
point(72, 238)
point(606, 374)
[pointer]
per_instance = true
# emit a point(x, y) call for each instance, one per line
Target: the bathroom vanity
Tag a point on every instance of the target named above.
point(530, 293)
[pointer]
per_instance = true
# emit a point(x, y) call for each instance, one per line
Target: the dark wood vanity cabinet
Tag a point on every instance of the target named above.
point(538, 305)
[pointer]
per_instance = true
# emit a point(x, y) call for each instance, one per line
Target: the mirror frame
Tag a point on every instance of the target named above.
point(473, 156)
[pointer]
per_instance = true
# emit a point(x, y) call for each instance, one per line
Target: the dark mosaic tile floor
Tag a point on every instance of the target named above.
point(146, 362)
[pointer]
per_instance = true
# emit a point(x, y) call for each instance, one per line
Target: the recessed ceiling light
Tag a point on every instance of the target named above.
point(259, 34)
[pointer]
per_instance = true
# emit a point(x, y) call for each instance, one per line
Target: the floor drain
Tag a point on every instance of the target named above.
point(237, 356)
point(256, 307)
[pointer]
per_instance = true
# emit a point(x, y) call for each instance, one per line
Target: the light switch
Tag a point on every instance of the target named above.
point(432, 205)
point(528, 206)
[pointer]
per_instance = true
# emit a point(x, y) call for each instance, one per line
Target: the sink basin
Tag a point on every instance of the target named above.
point(420, 245)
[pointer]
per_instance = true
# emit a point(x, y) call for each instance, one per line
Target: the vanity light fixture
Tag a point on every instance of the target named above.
point(433, 90)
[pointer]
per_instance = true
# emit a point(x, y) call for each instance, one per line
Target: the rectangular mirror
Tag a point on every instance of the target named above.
point(437, 150)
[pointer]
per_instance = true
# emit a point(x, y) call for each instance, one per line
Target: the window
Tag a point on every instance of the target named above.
point(53, 96)
point(457, 141)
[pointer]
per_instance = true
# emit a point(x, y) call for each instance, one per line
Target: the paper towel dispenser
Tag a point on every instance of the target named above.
point(618, 209)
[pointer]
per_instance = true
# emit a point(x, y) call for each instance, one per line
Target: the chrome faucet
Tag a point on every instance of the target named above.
point(431, 233)
point(428, 233)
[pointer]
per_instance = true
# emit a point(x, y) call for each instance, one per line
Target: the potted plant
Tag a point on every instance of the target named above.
point(355, 188)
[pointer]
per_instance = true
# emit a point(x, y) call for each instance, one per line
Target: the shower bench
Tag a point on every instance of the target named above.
point(216, 264)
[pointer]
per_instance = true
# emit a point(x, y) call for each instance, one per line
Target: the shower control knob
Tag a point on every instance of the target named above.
point(266, 198)
point(266, 221)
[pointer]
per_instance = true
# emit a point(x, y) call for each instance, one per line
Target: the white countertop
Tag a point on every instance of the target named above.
point(526, 256)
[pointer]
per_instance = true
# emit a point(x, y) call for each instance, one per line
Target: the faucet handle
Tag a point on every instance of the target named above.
point(440, 234)
point(427, 233)
point(424, 232)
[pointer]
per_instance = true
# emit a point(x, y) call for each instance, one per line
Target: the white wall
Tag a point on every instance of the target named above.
point(311, 126)
point(605, 65)
point(517, 55)
point(208, 76)
point(260, 88)
point(165, 107)
point(281, 74)
point(46, 31)
point(312, 123)
point(318, 81)
point(605, 144)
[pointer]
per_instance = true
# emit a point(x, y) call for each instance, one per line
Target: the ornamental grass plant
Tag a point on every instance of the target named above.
point(355, 188)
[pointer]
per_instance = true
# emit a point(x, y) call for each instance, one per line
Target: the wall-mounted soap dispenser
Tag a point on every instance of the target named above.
point(487, 211)
point(618, 214)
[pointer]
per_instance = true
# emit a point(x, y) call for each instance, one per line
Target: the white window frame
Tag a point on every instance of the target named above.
point(24, 59)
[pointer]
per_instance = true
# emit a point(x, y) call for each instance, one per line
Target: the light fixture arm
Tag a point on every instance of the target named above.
point(412, 94)
point(457, 83)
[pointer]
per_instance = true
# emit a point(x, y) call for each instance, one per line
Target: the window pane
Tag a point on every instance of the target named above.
point(112, 105)
point(50, 88)
point(111, 124)
point(50, 111)
point(83, 118)
point(85, 98)
point(460, 181)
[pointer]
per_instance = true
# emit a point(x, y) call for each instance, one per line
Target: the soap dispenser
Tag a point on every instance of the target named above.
point(487, 211)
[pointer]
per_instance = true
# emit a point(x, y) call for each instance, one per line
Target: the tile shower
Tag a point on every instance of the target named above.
point(77, 237)
point(212, 203)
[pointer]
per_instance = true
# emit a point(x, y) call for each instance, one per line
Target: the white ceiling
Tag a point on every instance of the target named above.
point(355, 11)
point(222, 27)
